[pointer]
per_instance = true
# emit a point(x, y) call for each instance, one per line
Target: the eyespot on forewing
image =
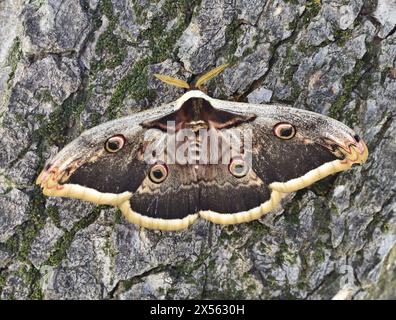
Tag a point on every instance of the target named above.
point(284, 131)
point(115, 143)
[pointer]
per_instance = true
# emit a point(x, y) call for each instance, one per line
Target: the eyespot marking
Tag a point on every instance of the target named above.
point(158, 173)
point(284, 131)
point(115, 143)
point(238, 168)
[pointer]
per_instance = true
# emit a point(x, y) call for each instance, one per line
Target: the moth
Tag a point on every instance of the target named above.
point(227, 162)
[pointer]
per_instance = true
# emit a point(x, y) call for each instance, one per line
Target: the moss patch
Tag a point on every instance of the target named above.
point(13, 58)
point(232, 34)
point(312, 9)
point(111, 48)
point(161, 45)
point(349, 82)
point(33, 277)
point(54, 131)
point(342, 36)
point(24, 235)
point(65, 241)
point(53, 213)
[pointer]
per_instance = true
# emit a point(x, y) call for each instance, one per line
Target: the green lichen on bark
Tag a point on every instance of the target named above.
point(110, 47)
point(292, 253)
point(62, 245)
point(312, 8)
point(162, 46)
point(21, 241)
point(361, 75)
point(13, 58)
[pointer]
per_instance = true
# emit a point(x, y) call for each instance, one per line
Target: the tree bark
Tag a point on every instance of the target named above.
point(66, 66)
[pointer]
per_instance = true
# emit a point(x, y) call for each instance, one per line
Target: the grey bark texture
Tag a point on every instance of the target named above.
point(66, 66)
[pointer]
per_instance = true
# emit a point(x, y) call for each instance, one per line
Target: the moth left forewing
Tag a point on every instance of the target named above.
point(84, 170)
